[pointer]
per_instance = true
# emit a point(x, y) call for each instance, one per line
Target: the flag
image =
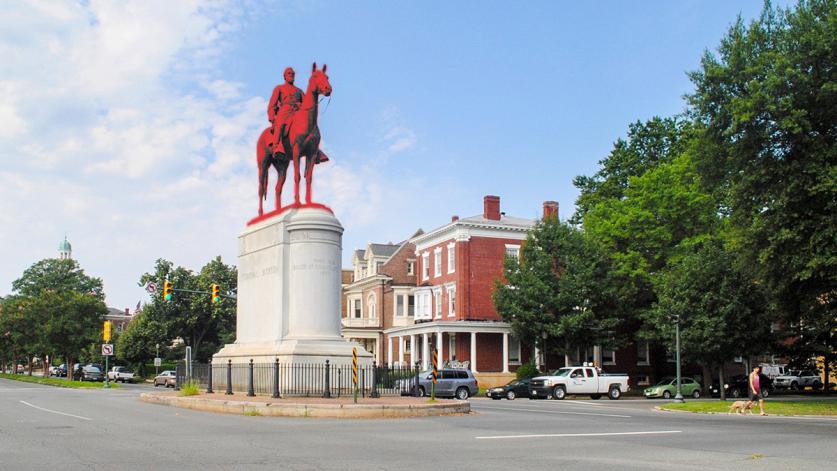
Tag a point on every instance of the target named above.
point(137, 308)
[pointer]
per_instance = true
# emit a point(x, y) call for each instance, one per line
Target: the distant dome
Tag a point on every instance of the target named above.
point(64, 246)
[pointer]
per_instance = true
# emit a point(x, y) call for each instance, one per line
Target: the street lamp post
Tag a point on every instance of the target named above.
point(157, 368)
point(679, 396)
point(543, 351)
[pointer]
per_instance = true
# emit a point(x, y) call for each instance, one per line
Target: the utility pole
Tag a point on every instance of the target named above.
point(679, 396)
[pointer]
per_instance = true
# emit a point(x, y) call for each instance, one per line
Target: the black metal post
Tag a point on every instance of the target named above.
point(327, 388)
point(276, 378)
point(251, 391)
point(229, 377)
point(374, 394)
point(177, 371)
point(416, 386)
point(209, 379)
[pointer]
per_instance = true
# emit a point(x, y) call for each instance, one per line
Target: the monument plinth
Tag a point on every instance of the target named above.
point(289, 292)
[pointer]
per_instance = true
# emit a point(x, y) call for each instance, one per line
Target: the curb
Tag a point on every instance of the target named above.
point(340, 411)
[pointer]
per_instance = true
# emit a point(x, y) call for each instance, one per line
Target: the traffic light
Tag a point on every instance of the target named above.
point(167, 290)
point(107, 331)
point(216, 293)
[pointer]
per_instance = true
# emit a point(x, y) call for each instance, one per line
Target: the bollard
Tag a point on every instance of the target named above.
point(250, 389)
point(276, 378)
point(374, 394)
point(209, 379)
point(327, 388)
point(229, 377)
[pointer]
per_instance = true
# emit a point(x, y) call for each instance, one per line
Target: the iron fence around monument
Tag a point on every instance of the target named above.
point(278, 379)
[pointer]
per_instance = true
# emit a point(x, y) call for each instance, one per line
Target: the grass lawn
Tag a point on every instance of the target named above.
point(771, 407)
point(61, 383)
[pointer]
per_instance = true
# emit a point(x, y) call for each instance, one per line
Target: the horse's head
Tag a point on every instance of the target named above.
point(318, 82)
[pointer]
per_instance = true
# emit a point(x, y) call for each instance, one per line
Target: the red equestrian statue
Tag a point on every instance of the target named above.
point(293, 134)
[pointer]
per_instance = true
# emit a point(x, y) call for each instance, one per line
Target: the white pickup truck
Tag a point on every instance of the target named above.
point(579, 380)
point(121, 373)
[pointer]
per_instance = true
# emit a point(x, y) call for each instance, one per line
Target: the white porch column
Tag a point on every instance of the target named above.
point(425, 351)
point(400, 350)
point(389, 349)
point(440, 347)
point(414, 352)
point(474, 352)
point(505, 352)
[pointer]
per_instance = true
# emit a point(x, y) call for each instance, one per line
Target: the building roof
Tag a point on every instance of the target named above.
point(64, 245)
point(504, 221)
point(360, 254)
point(383, 250)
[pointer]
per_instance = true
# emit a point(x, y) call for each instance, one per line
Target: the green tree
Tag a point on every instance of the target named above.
point(768, 103)
point(190, 315)
point(562, 286)
point(57, 275)
point(723, 311)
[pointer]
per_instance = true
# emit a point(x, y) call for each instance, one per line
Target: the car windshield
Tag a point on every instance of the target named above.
point(561, 372)
point(664, 382)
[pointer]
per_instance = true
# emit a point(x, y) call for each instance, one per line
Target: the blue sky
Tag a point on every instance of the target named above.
point(131, 126)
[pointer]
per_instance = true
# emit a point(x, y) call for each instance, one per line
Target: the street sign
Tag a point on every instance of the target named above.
point(151, 287)
point(158, 362)
point(107, 349)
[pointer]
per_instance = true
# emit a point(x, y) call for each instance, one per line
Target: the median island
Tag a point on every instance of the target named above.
point(813, 407)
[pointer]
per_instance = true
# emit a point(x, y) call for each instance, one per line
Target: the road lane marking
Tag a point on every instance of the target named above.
point(560, 435)
point(541, 411)
point(55, 411)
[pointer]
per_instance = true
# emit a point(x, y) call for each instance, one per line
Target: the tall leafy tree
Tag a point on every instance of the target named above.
point(57, 275)
point(562, 286)
point(723, 311)
point(768, 102)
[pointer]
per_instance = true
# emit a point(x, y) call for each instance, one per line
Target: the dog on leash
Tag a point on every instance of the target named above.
point(740, 406)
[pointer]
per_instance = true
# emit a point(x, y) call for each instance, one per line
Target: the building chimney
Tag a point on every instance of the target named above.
point(127, 311)
point(491, 207)
point(454, 218)
point(550, 209)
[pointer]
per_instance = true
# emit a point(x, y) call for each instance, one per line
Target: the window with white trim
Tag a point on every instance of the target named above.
point(411, 305)
point(399, 305)
point(411, 267)
point(437, 295)
point(437, 262)
point(425, 266)
point(356, 311)
point(451, 301)
point(451, 258)
point(370, 306)
point(513, 251)
point(452, 346)
point(608, 357)
point(514, 349)
point(643, 357)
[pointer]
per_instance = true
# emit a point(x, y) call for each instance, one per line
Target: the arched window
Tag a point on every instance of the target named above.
point(370, 306)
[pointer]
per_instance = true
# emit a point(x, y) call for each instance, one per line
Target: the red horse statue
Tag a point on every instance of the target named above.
point(303, 141)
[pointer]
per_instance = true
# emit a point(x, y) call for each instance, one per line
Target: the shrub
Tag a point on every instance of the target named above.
point(527, 370)
point(189, 389)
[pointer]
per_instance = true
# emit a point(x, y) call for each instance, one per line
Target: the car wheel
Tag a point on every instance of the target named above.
point(765, 393)
point(696, 394)
point(462, 393)
point(817, 386)
point(421, 391)
point(666, 395)
point(559, 393)
point(155, 384)
point(794, 386)
point(511, 395)
point(614, 393)
point(736, 393)
point(595, 397)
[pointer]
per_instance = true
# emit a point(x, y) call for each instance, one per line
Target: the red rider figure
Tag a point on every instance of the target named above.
point(286, 99)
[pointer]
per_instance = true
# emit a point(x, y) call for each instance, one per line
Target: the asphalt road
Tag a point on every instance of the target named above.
point(43, 427)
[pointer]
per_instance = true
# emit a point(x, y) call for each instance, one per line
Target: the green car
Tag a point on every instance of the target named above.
point(667, 388)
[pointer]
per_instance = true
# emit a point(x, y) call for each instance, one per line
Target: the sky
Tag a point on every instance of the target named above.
point(130, 127)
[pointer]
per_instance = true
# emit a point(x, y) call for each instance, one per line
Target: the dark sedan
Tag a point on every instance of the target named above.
point(516, 388)
point(738, 386)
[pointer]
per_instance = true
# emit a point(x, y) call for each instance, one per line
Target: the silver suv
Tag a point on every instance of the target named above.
point(460, 384)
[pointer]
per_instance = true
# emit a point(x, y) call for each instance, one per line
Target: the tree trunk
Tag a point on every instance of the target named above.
point(721, 382)
point(826, 373)
point(69, 364)
point(707, 379)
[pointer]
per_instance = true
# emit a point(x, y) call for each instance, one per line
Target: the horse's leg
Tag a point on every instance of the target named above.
point(296, 150)
point(309, 176)
point(281, 169)
point(264, 166)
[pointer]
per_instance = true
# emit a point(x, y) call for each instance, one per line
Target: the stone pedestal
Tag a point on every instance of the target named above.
point(289, 292)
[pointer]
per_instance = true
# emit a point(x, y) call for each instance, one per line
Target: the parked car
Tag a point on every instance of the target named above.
point(166, 378)
point(121, 373)
point(666, 388)
point(20, 369)
point(586, 380)
point(88, 373)
point(516, 388)
point(60, 370)
point(739, 386)
point(458, 383)
point(798, 380)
